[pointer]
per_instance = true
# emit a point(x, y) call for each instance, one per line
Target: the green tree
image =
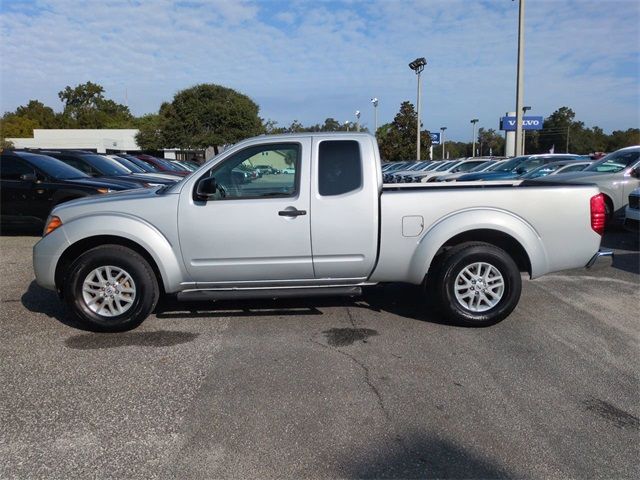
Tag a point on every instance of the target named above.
point(149, 132)
point(86, 107)
point(15, 126)
point(397, 141)
point(490, 142)
point(208, 115)
point(37, 111)
point(620, 139)
point(562, 132)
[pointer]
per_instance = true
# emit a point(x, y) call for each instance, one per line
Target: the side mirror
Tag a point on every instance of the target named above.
point(635, 172)
point(28, 177)
point(520, 170)
point(206, 188)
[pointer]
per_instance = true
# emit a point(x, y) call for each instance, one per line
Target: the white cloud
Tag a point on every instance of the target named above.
point(311, 60)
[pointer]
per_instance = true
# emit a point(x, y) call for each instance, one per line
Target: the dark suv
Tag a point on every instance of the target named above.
point(32, 184)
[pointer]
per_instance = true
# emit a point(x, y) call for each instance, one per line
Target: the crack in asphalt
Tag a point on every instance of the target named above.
point(367, 379)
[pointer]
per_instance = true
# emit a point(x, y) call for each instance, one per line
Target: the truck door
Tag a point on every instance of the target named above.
point(344, 209)
point(255, 230)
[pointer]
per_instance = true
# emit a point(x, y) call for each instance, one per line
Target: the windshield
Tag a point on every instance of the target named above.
point(509, 165)
point(104, 165)
point(543, 170)
point(482, 166)
point(444, 166)
point(615, 162)
point(129, 164)
point(469, 166)
point(52, 166)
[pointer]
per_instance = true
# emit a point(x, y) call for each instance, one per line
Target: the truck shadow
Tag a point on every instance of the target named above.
point(419, 455)
point(627, 249)
point(397, 299)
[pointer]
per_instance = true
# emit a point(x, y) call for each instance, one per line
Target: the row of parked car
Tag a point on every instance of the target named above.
point(34, 181)
point(484, 168)
point(616, 174)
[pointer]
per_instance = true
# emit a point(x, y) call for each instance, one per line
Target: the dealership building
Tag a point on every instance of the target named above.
point(99, 140)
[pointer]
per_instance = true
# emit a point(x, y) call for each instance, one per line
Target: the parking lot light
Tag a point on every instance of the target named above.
point(442, 129)
point(524, 113)
point(473, 149)
point(418, 66)
point(374, 101)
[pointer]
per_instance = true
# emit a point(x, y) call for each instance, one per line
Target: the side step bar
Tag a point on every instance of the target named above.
point(253, 293)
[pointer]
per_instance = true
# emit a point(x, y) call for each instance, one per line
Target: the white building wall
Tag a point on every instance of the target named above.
point(99, 139)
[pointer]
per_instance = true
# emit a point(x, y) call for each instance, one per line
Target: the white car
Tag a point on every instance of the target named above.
point(632, 212)
point(288, 171)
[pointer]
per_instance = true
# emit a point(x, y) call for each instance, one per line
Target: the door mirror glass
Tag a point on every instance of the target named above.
point(206, 188)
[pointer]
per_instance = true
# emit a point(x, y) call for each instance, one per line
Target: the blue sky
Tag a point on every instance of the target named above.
point(309, 60)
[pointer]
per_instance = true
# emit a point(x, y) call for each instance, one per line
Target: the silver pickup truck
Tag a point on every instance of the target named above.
point(321, 223)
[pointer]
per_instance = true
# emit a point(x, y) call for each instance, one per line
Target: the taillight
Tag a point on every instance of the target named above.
point(598, 213)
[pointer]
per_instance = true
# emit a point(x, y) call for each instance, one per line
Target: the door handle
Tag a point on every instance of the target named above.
point(292, 213)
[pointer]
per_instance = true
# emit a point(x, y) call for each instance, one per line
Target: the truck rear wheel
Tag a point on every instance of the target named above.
point(111, 288)
point(477, 284)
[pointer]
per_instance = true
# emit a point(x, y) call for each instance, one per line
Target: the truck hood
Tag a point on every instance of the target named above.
point(116, 201)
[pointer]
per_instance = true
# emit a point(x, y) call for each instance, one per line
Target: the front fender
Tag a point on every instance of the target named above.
point(481, 219)
point(164, 253)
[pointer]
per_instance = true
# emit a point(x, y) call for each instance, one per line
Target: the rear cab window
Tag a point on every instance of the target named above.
point(339, 167)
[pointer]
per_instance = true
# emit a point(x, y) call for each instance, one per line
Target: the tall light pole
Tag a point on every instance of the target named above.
point(520, 81)
point(374, 101)
point(346, 124)
point(357, 120)
point(473, 151)
point(524, 113)
point(418, 66)
point(442, 129)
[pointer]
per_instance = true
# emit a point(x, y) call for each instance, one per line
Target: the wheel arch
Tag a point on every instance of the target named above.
point(78, 248)
point(496, 227)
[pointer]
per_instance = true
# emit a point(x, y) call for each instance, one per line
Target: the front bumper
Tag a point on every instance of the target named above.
point(602, 259)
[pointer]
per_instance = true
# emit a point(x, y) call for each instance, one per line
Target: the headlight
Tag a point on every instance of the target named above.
point(53, 222)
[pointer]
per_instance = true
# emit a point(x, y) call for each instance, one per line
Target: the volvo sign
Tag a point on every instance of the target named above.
point(528, 123)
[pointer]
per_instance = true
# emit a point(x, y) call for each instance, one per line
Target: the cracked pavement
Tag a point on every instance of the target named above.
point(374, 387)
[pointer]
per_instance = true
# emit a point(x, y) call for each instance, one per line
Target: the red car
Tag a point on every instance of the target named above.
point(163, 165)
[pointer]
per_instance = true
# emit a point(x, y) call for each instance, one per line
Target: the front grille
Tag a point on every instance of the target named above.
point(633, 202)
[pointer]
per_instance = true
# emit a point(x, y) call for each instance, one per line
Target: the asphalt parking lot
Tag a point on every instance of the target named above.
point(376, 387)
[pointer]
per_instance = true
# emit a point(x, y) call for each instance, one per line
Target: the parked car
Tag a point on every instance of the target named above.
point(616, 175)
point(555, 168)
point(32, 184)
point(146, 167)
point(487, 165)
point(330, 229)
point(288, 171)
point(163, 165)
point(632, 212)
point(517, 166)
point(265, 169)
point(143, 171)
point(461, 167)
point(406, 174)
point(100, 166)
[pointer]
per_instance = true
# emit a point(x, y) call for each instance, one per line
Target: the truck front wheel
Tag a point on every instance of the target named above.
point(111, 288)
point(477, 284)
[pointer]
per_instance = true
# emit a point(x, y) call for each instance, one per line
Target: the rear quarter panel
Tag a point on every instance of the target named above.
point(553, 224)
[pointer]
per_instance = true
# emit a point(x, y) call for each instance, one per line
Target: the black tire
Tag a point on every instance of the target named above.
point(144, 281)
point(453, 262)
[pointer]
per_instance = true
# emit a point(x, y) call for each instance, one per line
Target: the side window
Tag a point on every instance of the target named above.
point(11, 168)
point(574, 168)
point(339, 167)
point(262, 171)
